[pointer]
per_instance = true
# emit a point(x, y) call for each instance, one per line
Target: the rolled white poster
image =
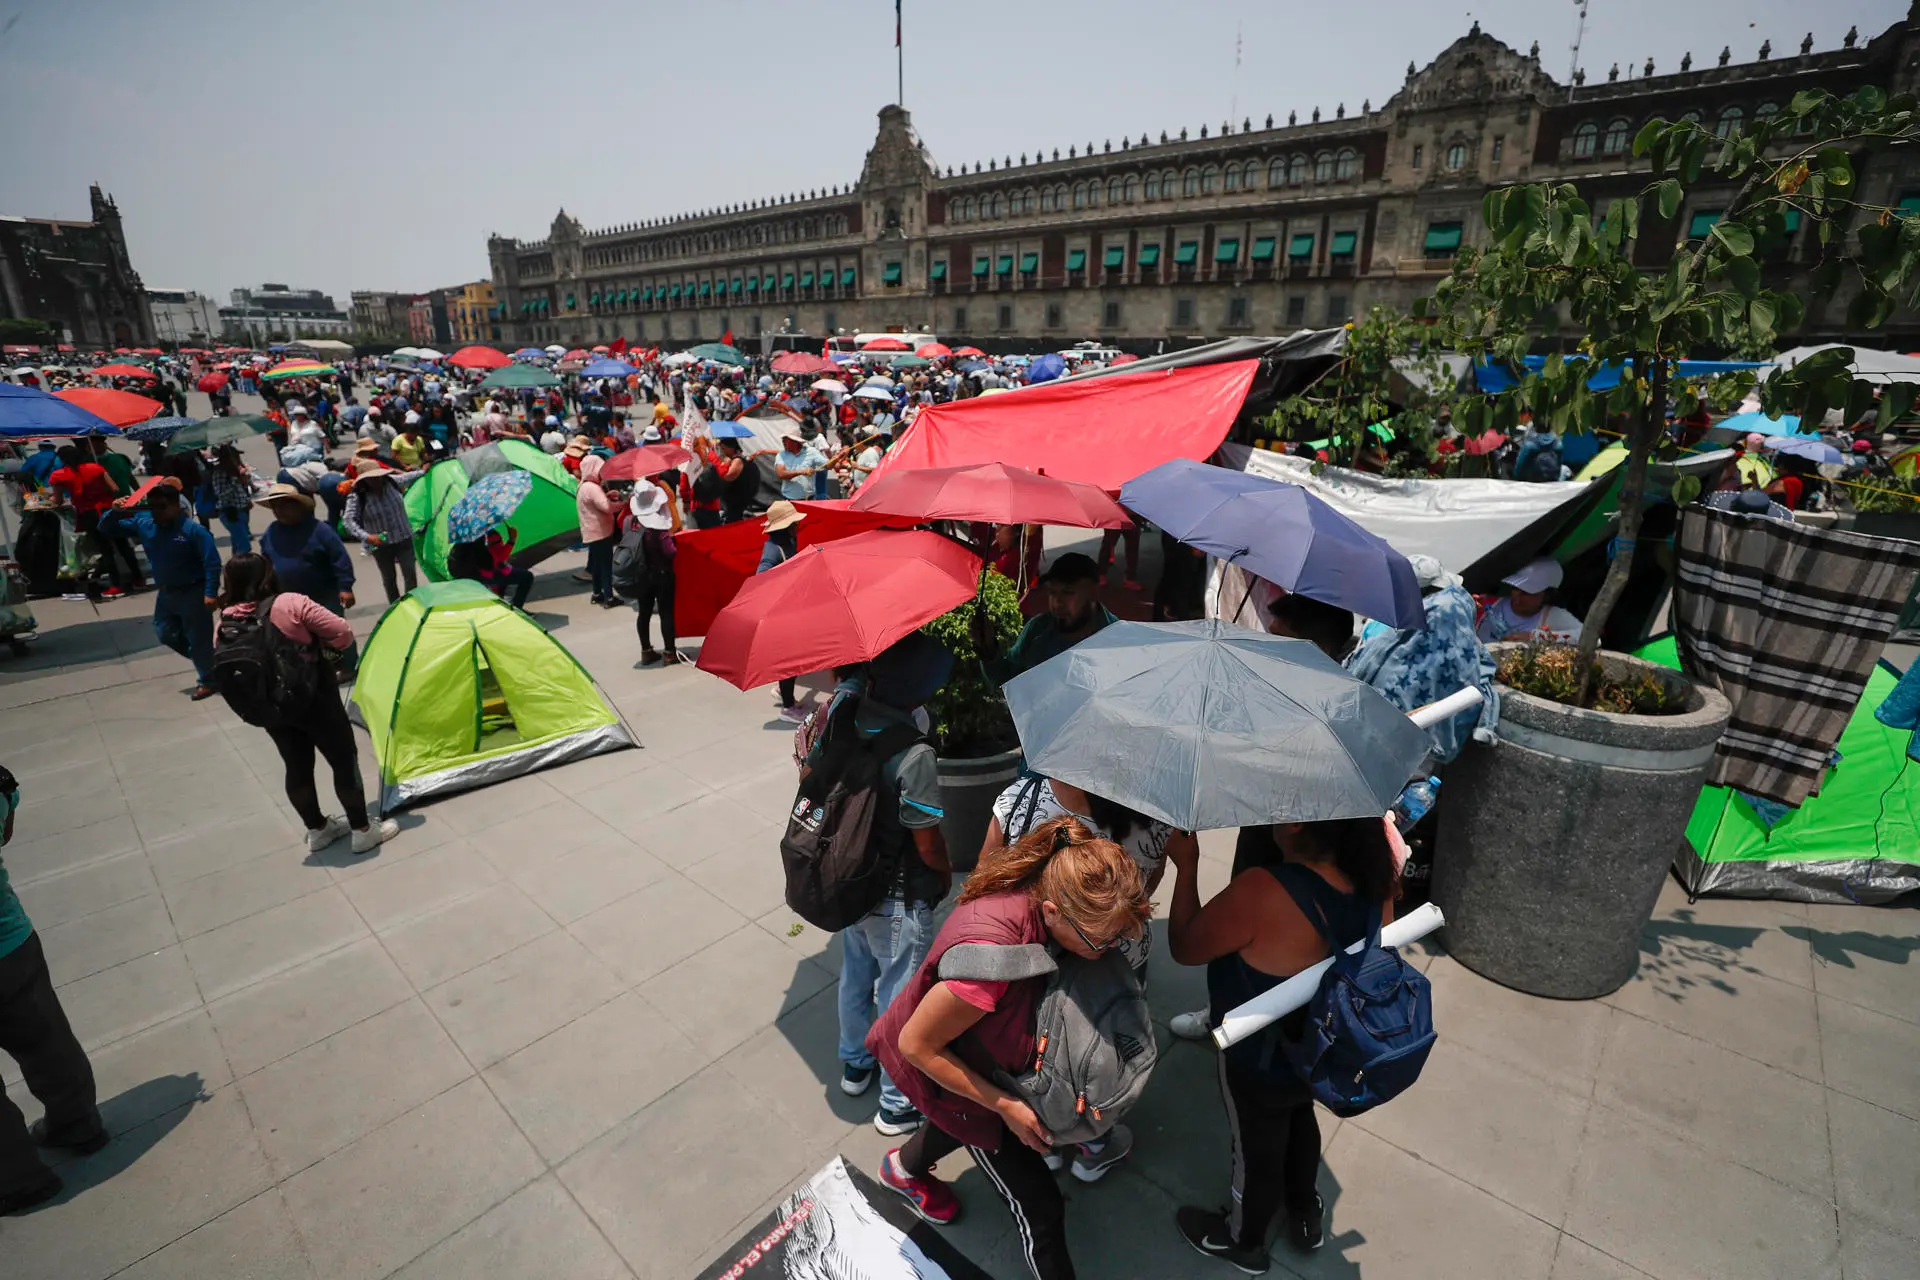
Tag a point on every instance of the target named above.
point(1447, 708)
point(1276, 1003)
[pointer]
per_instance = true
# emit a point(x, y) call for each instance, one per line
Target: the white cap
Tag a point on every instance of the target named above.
point(413, 419)
point(1542, 574)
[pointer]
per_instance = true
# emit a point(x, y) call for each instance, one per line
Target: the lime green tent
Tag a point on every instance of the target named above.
point(459, 689)
point(1857, 840)
point(547, 519)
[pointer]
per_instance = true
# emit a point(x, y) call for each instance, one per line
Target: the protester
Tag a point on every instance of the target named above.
point(35, 1033)
point(321, 724)
point(92, 491)
point(1059, 884)
point(186, 571)
point(596, 529)
point(1327, 626)
point(230, 485)
point(307, 556)
point(651, 511)
point(782, 544)
point(408, 447)
point(795, 465)
point(376, 514)
point(1527, 612)
point(1074, 612)
point(742, 479)
point(1252, 936)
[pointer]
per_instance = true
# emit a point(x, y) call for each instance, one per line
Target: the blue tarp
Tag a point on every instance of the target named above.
point(1493, 378)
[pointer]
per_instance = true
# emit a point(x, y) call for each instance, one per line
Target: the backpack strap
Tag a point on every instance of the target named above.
point(1030, 794)
point(986, 962)
point(1308, 892)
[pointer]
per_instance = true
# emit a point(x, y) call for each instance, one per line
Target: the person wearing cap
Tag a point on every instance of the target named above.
point(186, 573)
point(1074, 612)
point(376, 513)
point(782, 544)
point(1524, 613)
point(795, 465)
point(552, 439)
point(301, 429)
point(307, 555)
point(651, 513)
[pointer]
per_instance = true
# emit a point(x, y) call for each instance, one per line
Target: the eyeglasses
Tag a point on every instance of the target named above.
point(1096, 947)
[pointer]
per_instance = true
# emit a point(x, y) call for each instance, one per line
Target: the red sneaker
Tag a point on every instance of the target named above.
point(929, 1197)
point(112, 593)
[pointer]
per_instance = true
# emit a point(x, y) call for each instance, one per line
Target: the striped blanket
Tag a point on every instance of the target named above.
point(1787, 621)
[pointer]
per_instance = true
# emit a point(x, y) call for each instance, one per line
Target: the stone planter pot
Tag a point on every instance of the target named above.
point(1553, 841)
point(968, 787)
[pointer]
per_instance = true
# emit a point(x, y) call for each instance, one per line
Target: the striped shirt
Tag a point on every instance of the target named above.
point(379, 508)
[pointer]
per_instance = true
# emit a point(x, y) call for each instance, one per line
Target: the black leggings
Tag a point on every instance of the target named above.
point(34, 1032)
point(1020, 1175)
point(1276, 1152)
point(656, 592)
point(327, 731)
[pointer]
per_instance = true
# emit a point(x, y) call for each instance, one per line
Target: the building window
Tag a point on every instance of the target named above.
point(1766, 112)
point(1337, 310)
point(1114, 193)
point(1340, 251)
point(1209, 180)
point(1346, 164)
point(1006, 315)
point(1079, 195)
point(1584, 140)
point(1183, 313)
point(1110, 316)
point(1443, 240)
point(1457, 156)
point(830, 318)
point(1419, 154)
point(1153, 186)
point(959, 319)
point(1276, 174)
point(1615, 142)
point(1053, 315)
point(1297, 171)
point(1323, 167)
point(1130, 190)
point(1296, 312)
point(1237, 310)
point(1499, 147)
point(1190, 183)
point(1046, 200)
point(1230, 181)
point(1729, 122)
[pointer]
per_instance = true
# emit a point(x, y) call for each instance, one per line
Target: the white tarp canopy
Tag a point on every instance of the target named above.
point(1868, 364)
point(327, 345)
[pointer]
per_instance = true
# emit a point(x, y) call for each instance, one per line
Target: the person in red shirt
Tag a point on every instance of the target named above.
point(91, 490)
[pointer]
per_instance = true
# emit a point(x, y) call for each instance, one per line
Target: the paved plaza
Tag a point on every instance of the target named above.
point(565, 1027)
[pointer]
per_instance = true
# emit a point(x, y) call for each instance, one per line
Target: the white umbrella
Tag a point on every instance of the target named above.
point(832, 386)
point(556, 350)
point(407, 351)
point(878, 380)
point(871, 392)
point(428, 353)
point(29, 369)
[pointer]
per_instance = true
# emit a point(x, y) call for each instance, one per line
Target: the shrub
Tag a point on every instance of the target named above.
point(970, 718)
point(1548, 670)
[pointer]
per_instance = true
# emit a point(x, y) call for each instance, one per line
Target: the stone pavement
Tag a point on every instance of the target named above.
point(565, 1027)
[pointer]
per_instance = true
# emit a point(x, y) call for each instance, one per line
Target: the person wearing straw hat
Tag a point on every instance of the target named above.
point(377, 515)
point(650, 512)
point(307, 555)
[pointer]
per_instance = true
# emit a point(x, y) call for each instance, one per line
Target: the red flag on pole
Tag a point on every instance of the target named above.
point(618, 347)
point(727, 337)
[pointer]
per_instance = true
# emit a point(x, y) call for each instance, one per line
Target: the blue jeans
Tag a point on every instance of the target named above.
point(184, 624)
point(235, 518)
point(877, 957)
point(330, 494)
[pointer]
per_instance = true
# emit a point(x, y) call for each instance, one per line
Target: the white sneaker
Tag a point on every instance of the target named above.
point(1197, 1025)
point(374, 835)
point(333, 830)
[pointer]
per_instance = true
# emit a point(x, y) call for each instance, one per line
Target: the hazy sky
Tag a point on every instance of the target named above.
point(354, 145)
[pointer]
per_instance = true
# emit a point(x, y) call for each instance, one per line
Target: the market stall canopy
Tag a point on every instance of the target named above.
point(322, 346)
point(1102, 429)
point(28, 411)
point(211, 432)
point(1869, 365)
point(121, 371)
point(1493, 378)
point(719, 353)
point(121, 408)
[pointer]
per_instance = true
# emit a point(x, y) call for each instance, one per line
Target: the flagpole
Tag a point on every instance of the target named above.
point(899, 59)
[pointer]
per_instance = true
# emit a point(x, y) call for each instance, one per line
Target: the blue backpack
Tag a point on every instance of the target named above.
point(1368, 1028)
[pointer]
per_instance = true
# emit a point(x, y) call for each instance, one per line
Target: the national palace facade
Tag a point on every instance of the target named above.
point(1250, 227)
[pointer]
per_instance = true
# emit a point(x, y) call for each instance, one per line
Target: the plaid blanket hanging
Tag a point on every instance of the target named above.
point(1787, 621)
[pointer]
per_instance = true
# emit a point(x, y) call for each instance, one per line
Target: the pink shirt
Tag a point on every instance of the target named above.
point(596, 511)
point(302, 621)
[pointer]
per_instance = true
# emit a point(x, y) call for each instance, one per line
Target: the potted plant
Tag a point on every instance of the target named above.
point(973, 733)
point(1556, 839)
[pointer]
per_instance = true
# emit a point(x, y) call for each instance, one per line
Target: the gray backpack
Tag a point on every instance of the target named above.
point(1093, 1045)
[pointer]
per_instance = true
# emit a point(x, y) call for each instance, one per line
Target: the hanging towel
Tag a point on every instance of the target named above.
point(1901, 709)
point(1787, 621)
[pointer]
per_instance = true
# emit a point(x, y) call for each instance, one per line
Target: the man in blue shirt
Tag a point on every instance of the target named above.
point(40, 464)
point(1074, 612)
point(186, 571)
point(34, 1031)
point(795, 465)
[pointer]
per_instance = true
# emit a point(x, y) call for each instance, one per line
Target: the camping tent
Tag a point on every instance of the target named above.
point(546, 521)
point(1856, 841)
point(459, 690)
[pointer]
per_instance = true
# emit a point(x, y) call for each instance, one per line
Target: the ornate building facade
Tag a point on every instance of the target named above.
point(75, 276)
point(1249, 228)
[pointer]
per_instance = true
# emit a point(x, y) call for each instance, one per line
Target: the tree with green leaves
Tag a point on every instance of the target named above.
point(1549, 250)
point(1390, 369)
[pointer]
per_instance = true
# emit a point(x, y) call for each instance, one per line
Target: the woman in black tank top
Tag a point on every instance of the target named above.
point(1331, 882)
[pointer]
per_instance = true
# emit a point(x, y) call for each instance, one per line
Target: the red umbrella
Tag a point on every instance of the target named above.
point(933, 350)
point(121, 408)
point(974, 353)
point(578, 354)
point(224, 364)
point(601, 350)
point(803, 363)
point(148, 351)
point(990, 491)
point(1125, 357)
point(647, 460)
point(836, 603)
point(122, 371)
point(479, 358)
point(711, 565)
point(886, 344)
point(210, 382)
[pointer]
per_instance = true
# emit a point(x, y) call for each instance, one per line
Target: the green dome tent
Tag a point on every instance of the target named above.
point(547, 519)
point(459, 689)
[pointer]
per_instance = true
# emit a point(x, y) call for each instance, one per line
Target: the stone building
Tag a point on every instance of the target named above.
point(185, 317)
point(471, 317)
point(75, 276)
point(277, 313)
point(1245, 228)
point(380, 314)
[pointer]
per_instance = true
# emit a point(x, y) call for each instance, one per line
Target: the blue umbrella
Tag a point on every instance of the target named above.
point(1046, 368)
point(486, 503)
point(530, 353)
point(729, 431)
point(156, 429)
point(972, 366)
point(1281, 532)
point(1787, 424)
point(607, 368)
point(28, 411)
point(1811, 448)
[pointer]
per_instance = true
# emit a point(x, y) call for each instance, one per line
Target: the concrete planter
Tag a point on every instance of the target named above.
point(1553, 841)
point(968, 787)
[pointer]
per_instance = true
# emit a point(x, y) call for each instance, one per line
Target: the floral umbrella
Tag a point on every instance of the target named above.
point(488, 501)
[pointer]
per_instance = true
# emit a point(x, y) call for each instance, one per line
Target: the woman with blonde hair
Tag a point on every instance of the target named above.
point(942, 1040)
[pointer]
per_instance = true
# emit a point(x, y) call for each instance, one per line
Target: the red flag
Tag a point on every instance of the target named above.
point(619, 346)
point(727, 337)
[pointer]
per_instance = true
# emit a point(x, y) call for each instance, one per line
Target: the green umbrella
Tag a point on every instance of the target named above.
point(512, 377)
point(219, 431)
point(718, 352)
point(910, 362)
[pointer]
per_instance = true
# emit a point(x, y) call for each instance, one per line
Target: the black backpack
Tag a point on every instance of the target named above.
point(630, 563)
point(266, 678)
point(843, 841)
point(709, 485)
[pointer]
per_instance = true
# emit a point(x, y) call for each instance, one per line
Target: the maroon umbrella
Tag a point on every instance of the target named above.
point(803, 363)
point(647, 460)
point(990, 491)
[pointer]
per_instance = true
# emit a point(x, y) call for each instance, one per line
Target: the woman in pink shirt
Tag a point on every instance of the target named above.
point(596, 530)
point(321, 726)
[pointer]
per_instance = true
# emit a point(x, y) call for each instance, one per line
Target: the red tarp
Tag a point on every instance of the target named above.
point(710, 564)
point(1104, 431)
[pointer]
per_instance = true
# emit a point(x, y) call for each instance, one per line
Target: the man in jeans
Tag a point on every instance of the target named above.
point(35, 1033)
point(881, 952)
point(186, 568)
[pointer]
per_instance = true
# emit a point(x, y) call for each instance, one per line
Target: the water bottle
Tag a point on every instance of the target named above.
point(1414, 802)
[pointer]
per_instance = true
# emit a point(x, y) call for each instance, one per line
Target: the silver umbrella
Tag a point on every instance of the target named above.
point(1208, 725)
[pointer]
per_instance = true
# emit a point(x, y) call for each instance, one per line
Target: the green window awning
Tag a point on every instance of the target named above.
point(525, 307)
point(1300, 248)
point(786, 281)
point(1004, 267)
point(938, 271)
point(593, 299)
point(1263, 249)
point(1226, 251)
point(806, 279)
point(546, 304)
point(1443, 237)
point(706, 288)
point(1702, 222)
point(847, 278)
point(1187, 254)
point(1116, 256)
point(767, 282)
point(1908, 206)
point(753, 284)
point(1149, 255)
point(1793, 221)
point(1344, 242)
point(1076, 260)
point(1029, 263)
point(890, 274)
point(675, 293)
point(569, 302)
point(646, 294)
point(739, 285)
point(980, 266)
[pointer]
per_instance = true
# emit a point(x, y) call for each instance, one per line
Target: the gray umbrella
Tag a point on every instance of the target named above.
point(1208, 725)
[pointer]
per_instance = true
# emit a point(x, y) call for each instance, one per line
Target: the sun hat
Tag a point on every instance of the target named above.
point(649, 507)
point(366, 447)
point(284, 492)
point(651, 436)
point(1542, 574)
point(367, 467)
point(783, 514)
point(577, 447)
